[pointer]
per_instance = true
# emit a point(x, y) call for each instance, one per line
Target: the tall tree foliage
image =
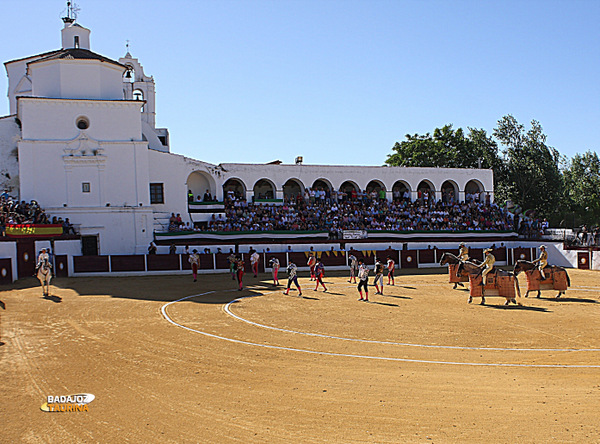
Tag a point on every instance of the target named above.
point(526, 169)
point(582, 182)
point(446, 148)
point(531, 176)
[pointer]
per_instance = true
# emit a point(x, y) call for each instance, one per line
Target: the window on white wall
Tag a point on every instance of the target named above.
point(157, 194)
point(85, 187)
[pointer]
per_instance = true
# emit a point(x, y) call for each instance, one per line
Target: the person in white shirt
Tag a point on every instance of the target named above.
point(363, 278)
point(254, 260)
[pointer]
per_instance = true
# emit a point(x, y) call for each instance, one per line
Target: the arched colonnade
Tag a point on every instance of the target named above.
point(200, 183)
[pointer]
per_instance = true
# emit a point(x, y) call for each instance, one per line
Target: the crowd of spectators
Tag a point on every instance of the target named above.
point(13, 211)
point(588, 238)
point(361, 211)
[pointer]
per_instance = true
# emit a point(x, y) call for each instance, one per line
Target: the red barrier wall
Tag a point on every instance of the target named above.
point(61, 265)
point(88, 264)
point(5, 271)
point(128, 262)
point(157, 262)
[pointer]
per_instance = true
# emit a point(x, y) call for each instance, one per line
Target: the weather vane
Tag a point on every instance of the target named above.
point(71, 11)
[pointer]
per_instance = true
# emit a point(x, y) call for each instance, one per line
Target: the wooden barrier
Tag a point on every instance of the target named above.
point(583, 260)
point(61, 265)
point(90, 264)
point(333, 258)
point(476, 253)
point(522, 254)
point(162, 262)
point(221, 261)
point(500, 254)
point(218, 261)
point(426, 256)
point(127, 262)
point(6, 271)
point(408, 259)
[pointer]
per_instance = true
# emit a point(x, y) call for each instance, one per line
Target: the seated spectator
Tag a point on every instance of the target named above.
point(68, 227)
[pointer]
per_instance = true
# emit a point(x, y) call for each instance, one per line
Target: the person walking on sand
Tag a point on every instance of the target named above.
point(239, 271)
point(391, 266)
point(353, 268)
point(378, 277)
point(312, 262)
point(319, 272)
point(194, 260)
point(292, 270)
point(363, 278)
point(275, 267)
point(254, 260)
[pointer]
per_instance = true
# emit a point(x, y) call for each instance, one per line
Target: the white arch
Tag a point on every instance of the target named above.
point(455, 190)
point(378, 182)
point(239, 181)
point(326, 181)
point(351, 182)
point(259, 190)
point(480, 189)
point(428, 182)
point(200, 181)
point(297, 182)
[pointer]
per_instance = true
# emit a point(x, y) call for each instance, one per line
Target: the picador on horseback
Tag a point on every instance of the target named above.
point(463, 252)
point(542, 276)
point(542, 261)
point(487, 265)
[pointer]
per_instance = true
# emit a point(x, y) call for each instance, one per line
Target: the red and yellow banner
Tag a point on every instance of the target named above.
point(34, 230)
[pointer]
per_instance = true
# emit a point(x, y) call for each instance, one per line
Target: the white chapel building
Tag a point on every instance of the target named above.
point(81, 140)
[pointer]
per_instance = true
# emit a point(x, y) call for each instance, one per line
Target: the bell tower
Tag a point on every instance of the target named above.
point(138, 86)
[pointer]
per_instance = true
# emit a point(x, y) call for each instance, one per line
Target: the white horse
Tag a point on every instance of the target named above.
point(44, 274)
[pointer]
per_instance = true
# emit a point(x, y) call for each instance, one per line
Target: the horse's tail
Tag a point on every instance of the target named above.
point(517, 288)
point(568, 278)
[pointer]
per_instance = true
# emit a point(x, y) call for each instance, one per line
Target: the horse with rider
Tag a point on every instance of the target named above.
point(453, 261)
point(43, 271)
point(484, 278)
point(541, 276)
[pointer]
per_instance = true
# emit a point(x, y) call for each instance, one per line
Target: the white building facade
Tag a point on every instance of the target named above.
point(81, 140)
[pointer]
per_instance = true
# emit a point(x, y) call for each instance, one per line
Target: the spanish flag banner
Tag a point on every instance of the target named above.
point(34, 230)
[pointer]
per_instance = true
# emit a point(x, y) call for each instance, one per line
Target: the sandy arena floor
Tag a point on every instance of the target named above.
point(416, 365)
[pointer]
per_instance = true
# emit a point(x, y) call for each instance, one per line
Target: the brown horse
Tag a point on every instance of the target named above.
point(499, 283)
point(453, 261)
point(557, 278)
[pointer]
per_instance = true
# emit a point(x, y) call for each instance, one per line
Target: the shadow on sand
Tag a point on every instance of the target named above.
point(518, 307)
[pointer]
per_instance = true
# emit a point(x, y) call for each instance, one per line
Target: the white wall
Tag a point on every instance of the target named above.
point(55, 119)
point(9, 134)
point(9, 250)
point(77, 79)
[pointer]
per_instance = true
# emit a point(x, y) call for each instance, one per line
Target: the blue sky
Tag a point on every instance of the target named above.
point(339, 82)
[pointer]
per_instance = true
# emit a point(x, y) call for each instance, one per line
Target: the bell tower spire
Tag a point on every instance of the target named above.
point(71, 11)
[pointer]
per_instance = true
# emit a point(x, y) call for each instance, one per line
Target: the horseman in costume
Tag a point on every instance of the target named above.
point(43, 256)
point(542, 261)
point(463, 252)
point(487, 265)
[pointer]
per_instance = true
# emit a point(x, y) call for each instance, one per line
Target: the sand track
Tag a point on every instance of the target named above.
point(416, 365)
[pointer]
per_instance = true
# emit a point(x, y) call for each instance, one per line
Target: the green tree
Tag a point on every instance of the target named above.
point(531, 174)
point(582, 187)
point(446, 148)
